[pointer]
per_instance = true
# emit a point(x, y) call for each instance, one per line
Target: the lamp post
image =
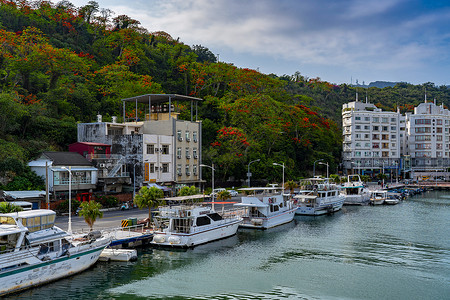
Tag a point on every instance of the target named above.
point(326, 164)
point(134, 179)
point(248, 170)
point(69, 226)
point(275, 164)
point(314, 168)
point(212, 182)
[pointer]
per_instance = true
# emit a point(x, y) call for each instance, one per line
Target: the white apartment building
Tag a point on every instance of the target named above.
point(428, 145)
point(372, 139)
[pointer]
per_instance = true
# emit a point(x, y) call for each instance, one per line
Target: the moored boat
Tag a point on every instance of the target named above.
point(187, 224)
point(354, 191)
point(318, 197)
point(265, 207)
point(33, 251)
point(378, 197)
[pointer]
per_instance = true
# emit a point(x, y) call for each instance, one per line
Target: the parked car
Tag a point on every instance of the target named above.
point(233, 193)
point(216, 191)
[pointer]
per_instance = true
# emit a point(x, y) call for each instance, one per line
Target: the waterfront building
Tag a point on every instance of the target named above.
point(427, 132)
point(414, 146)
point(372, 139)
point(152, 143)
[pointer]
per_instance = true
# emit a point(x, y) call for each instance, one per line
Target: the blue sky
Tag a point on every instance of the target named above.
point(338, 41)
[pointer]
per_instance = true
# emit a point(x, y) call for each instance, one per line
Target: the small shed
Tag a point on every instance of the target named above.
point(35, 197)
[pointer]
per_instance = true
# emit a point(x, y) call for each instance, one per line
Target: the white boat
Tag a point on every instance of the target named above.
point(265, 207)
point(33, 251)
point(187, 224)
point(378, 197)
point(118, 254)
point(392, 199)
point(318, 197)
point(354, 191)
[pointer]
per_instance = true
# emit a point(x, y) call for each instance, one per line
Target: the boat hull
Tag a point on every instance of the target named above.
point(198, 237)
point(269, 222)
point(44, 272)
point(357, 199)
point(320, 209)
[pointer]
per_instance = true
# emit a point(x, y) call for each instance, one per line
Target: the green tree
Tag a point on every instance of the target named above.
point(223, 195)
point(91, 211)
point(291, 185)
point(149, 197)
point(188, 190)
point(6, 207)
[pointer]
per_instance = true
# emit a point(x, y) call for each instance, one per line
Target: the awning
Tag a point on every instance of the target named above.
point(164, 188)
point(73, 169)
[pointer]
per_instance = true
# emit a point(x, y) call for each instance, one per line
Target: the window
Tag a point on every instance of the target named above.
point(385, 154)
point(439, 138)
point(194, 153)
point(366, 136)
point(179, 152)
point(187, 153)
point(150, 149)
point(188, 137)
point(367, 154)
point(179, 137)
point(385, 145)
point(423, 130)
point(358, 154)
point(439, 146)
point(179, 170)
point(393, 145)
point(194, 169)
point(194, 136)
point(357, 135)
point(188, 172)
point(385, 136)
point(376, 128)
point(358, 145)
point(375, 137)
point(366, 118)
point(423, 138)
point(165, 149)
point(366, 127)
point(367, 145)
point(394, 153)
point(392, 120)
point(357, 127)
point(423, 121)
point(393, 128)
point(165, 168)
point(393, 136)
point(439, 122)
point(358, 118)
point(376, 154)
point(384, 120)
point(375, 119)
point(439, 130)
point(152, 168)
point(385, 128)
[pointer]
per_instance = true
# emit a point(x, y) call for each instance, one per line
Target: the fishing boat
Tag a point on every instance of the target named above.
point(318, 197)
point(33, 251)
point(392, 198)
point(354, 191)
point(265, 207)
point(186, 223)
point(378, 197)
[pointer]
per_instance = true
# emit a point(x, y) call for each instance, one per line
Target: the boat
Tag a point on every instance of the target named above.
point(265, 207)
point(118, 254)
point(318, 197)
point(33, 251)
point(392, 198)
point(378, 197)
point(185, 223)
point(354, 191)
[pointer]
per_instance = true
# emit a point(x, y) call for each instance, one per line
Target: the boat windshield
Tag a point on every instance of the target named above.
point(215, 216)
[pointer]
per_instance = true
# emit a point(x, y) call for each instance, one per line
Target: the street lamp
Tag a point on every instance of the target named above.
point(69, 226)
point(275, 164)
point(314, 169)
point(248, 170)
point(212, 182)
point(326, 164)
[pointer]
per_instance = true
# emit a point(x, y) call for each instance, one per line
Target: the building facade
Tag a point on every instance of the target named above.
point(155, 146)
point(415, 146)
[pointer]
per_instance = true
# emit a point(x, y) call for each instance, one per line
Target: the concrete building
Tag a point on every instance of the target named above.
point(373, 140)
point(427, 131)
point(152, 143)
point(55, 166)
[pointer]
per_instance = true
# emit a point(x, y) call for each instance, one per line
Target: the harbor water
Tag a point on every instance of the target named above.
point(380, 252)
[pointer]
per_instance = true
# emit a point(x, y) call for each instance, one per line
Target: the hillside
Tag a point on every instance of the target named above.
point(60, 65)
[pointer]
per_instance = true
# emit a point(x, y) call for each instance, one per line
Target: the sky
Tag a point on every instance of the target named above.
point(340, 41)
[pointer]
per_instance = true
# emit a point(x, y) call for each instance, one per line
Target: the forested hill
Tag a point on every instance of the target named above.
point(61, 64)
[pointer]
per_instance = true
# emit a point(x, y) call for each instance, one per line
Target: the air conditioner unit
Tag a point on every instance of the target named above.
point(102, 165)
point(179, 156)
point(188, 156)
point(156, 168)
point(180, 139)
point(195, 173)
point(196, 156)
point(156, 149)
point(195, 140)
point(188, 173)
point(179, 174)
point(188, 139)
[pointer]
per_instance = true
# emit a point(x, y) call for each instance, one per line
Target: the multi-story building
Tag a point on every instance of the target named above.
point(152, 145)
point(414, 146)
point(427, 132)
point(372, 139)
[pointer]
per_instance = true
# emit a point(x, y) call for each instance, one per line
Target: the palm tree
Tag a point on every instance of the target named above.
point(188, 191)
point(291, 185)
point(6, 207)
point(91, 211)
point(149, 197)
point(223, 195)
